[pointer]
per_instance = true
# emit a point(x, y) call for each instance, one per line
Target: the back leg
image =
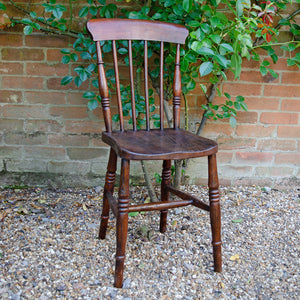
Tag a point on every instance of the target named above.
point(166, 180)
point(108, 187)
point(215, 211)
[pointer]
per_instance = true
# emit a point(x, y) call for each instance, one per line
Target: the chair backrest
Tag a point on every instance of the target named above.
point(145, 30)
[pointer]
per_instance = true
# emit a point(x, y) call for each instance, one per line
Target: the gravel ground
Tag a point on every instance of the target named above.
point(49, 247)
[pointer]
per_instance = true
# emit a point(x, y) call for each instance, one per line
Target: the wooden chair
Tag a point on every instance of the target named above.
point(149, 144)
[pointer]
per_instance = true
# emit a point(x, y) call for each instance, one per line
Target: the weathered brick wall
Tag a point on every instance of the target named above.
point(49, 137)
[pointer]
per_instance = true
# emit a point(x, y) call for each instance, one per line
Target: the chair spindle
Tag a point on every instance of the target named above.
point(161, 86)
point(103, 89)
point(177, 90)
point(146, 86)
point(118, 85)
point(132, 85)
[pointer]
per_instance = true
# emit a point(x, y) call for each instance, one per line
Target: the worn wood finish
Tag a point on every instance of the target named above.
point(165, 182)
point(108, 187)
point(177, 90)
point(128, 29)
point(103, 88)
point(186, 196)
point(164, 144)
point(122, 222)
point(157, 144)
point(215, 211)
point(162, 206)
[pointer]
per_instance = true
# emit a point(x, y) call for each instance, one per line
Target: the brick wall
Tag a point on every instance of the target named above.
point(48, 136)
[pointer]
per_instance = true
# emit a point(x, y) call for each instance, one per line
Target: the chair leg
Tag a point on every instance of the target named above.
point(122, 222)
point(108, 187)
point(215, 211)
point(166, 179)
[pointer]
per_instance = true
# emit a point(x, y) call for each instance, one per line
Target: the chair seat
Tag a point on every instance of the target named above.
point(157, 144)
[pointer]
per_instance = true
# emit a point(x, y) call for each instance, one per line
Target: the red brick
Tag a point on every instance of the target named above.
point(11, 97)
point(76, 99)
point(273, 145)
point(11, 68)
point(254, 157)
point(235, 143)
point(288, 158)
point(281, 64)
point(291, 77)
point(24, 111)
point(250, 64)
point(288, 132)
point(54, 84)
point(22, 54)
point(252, 181)
point(282, 91)
point(20, 83)
point(13, 40)
point(247, 117)
point(247, 75)
point(261, 103)
point(244, 89)
point(96, 141)
point(255, 130)
point(39, 40)
point(278, 118)
point(54, 55)
point(215, 130)
point(69, 140)
point(25, 138)
point(11, 125)
point(44, 97)
point(43, 125)
point(290, 105)
point(70, 112)
point(46, 69)
point(84, 126)
point(224, 157)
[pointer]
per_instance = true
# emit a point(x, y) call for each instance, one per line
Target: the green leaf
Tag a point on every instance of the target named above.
point(65, 59)
point(74, 56)
point(89, 95)
point(244, 106)
point(66, 80)
point(232, 122)
point(93, 10)
point(83, 12)
point(222, 60)
point(265, 63)
point(133, 213)
point(205, 51)
point(92, 104)
point(123, 51)
point(237, 221)
point(85, 55)
point(263, 70)
point(273, 73)
point(2, 6)
point(237, 105)
point(28, 30)
point(227, 96)
point(206, 68)
point(33, 14)
point(240, 99)
point(236, 64)
point(187, 5)
point(65, 51)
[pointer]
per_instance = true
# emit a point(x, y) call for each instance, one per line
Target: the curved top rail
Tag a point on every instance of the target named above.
point(128, 29)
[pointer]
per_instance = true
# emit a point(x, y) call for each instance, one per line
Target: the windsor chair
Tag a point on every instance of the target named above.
point(163, 144)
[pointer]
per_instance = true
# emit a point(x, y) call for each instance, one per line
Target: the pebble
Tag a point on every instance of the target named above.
point(53, 252)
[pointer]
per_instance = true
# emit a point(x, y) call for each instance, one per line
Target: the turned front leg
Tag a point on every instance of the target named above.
point(165, 181)
point(108, 187)
point(122, 222)
point(215, 212)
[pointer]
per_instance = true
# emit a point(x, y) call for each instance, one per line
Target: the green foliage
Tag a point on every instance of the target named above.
point(216, 44)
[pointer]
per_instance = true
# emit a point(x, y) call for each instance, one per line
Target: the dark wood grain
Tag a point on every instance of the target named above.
point(151, 144)
point(157, 144)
